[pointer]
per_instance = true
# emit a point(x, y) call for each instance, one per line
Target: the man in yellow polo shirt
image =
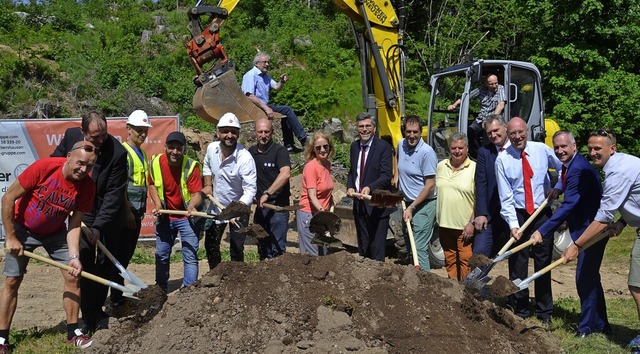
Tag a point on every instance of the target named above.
point(455, 178)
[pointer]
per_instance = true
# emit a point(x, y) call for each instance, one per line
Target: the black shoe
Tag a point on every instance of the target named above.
point(606, 330)
point(546, 322)
point(294, 149)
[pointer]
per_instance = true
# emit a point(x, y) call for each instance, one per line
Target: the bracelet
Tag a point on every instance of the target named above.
point(208, 185)
point(74, 256)
point(577, 246)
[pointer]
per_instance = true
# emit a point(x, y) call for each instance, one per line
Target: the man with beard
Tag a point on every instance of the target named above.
point(491, 229)
point(417, 164)
point(256, 84)
point(105, 220)
point(229, 166)
point(523, 184)
point(174, 184)
point(273, 168)
point(34, 211)
point(371, 169)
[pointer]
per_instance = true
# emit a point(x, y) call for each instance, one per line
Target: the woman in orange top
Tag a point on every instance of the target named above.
point(317, 189)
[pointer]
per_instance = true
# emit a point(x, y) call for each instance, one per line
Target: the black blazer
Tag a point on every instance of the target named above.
point(487, 198)
point(378, 171)
point(110, 175)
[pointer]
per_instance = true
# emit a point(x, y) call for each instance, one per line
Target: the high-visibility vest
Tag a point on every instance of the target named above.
point(188, 165)
point(137, 178)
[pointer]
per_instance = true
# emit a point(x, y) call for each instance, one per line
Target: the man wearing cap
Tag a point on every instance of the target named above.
point(256, 84)
point(273, 168)
point(34, 211)
point(105, 219)
point(229, 175)
point(138, 125)
point(174, 184)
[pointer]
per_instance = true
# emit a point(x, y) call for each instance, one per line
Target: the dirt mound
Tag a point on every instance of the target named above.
point(333, 304)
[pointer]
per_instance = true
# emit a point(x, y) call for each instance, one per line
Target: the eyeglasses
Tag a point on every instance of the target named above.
point(602, 132)
point(325, 147)
point(87, 148)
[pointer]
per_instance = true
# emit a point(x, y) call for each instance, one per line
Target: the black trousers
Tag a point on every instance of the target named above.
point(519, 269)
point(126, 248)
point(371, 231)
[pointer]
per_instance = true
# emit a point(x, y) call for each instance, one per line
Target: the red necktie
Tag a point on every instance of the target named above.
point(528, 191)
point(564, 176)
point(363, 157)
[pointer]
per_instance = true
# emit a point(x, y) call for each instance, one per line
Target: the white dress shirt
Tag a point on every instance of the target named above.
point(234, 179)
point(511, 179)
point(621, 190)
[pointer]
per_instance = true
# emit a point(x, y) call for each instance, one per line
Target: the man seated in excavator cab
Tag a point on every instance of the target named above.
point(492, 101)
point(256, 84)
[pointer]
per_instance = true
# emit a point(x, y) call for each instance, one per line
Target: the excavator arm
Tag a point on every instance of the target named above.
point(379, 43)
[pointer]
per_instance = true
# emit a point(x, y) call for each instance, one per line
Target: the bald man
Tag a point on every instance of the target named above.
point(523, 185)
point(273, 168)
point(34, 211)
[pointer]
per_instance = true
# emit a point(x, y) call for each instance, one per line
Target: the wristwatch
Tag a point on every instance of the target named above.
point(267, 193)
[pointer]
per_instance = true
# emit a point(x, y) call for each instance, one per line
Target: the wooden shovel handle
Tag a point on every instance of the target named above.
point(186, 213)
point(272, 207)
point(561, 259)
point(412, 241)
point(524, 226)
point(360, 195)
point(65, 267)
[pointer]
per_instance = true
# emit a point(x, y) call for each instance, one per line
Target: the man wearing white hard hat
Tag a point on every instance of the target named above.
point(138, 125)
point(229, 175)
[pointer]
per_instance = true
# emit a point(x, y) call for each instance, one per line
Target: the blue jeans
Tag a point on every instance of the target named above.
point(290, 126)
point(166, 232)
point(275, 223)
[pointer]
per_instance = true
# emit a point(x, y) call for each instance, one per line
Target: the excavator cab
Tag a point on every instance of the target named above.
point(523, 93)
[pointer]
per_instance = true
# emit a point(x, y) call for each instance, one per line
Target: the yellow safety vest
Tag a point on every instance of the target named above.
point(137, 178)
point(188, 165)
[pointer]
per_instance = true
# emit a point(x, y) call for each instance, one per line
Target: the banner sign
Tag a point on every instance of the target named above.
point(24, 141)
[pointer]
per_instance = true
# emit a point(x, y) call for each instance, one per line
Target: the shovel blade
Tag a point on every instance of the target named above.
point(521, 284)
point(328, 241)
point(479, 281)
point(133, 279)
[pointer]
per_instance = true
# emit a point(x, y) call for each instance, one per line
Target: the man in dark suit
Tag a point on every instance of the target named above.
point(106, 220)
point(371, 169)
point(492, 230)
point(582, 193)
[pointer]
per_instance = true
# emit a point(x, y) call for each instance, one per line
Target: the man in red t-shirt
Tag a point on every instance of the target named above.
point(174, 184)
point(34, 211)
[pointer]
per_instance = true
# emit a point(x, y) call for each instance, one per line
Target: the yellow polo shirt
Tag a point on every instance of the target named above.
point(456, 194)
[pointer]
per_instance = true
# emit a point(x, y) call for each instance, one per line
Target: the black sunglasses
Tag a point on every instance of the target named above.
point(325, 147)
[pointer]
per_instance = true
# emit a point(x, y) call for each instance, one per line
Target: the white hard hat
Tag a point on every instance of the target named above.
point(139, 118)
point(229, 120)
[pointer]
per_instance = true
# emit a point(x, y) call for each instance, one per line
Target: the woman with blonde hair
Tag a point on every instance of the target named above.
point(317, 189)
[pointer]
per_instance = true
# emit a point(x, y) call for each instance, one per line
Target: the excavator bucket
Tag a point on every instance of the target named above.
point(222, 94)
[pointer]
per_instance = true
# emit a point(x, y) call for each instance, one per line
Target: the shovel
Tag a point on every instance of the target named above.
point(326, 224)
point(221, 207)
point(124, 273)
point(382, 198)
point(127, 291)
point(412, 241)
point(186, 213)
point(478, 277)
point(282, 208)
point(523, 284)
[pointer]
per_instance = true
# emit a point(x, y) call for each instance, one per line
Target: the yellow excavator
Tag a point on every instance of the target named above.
point(379, 32)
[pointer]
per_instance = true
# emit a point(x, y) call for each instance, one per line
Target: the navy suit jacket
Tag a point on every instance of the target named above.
point(377, 171)
point(582, 194)
point(487, 198)
point(110, 175)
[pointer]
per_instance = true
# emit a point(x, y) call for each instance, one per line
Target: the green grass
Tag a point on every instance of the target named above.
point(146, 255)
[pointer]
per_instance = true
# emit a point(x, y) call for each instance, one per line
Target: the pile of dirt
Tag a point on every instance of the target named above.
point(333, 304)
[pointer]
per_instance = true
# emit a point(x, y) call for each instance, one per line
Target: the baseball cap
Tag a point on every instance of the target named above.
point(229, 120)
point(176, 136)
point(139, 118)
